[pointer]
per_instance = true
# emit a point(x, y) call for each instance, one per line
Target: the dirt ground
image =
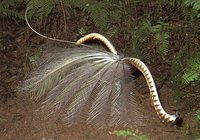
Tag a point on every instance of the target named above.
point(17, 121)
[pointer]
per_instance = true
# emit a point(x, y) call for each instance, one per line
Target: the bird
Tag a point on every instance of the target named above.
point(82, 83)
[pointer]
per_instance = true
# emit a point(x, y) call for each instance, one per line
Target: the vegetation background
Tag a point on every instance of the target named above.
point(165, 34)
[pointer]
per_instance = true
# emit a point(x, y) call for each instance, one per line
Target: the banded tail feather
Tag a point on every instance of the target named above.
point(101, 38)
point(162, 114)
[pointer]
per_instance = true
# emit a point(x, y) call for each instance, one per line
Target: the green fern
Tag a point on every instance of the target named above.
point(195, 4)
point(41, 9)
point(164, 43)
point(178, 66)
point(192, 72)
point(8, 9)
point(97, 11)
point(194, 7)
point(162, 36)
point(140, 38)
point(190, 8)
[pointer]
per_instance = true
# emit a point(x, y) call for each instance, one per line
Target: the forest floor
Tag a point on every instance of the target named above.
point(18, 123)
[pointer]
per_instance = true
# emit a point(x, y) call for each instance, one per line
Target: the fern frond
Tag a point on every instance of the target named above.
point(163, 39)
point(140, 37)
point(195, 4)
point(192, 72)
point(10, 13)
point(178, 65)
point(7, 9)
point(97, 11)
point(41, 8)
point(162, 36)
point(114, 14)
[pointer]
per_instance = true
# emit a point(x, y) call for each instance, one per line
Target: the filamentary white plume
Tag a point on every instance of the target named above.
point(83, 84)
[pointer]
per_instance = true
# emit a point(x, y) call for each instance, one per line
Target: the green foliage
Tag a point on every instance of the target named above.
point(186, 61)
point(123, 133)
point(9, 9)
point(195, 4)
point(142, 33)
point(140, 38)
point(178, 67)
point(189, 8)
point(40, 8)
point(192, 70)
point(185, 68)
point(197, 116)
point(34, 59)
point(96, 10)
point(130, 134)
point(83, 31)
point(161, 35)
